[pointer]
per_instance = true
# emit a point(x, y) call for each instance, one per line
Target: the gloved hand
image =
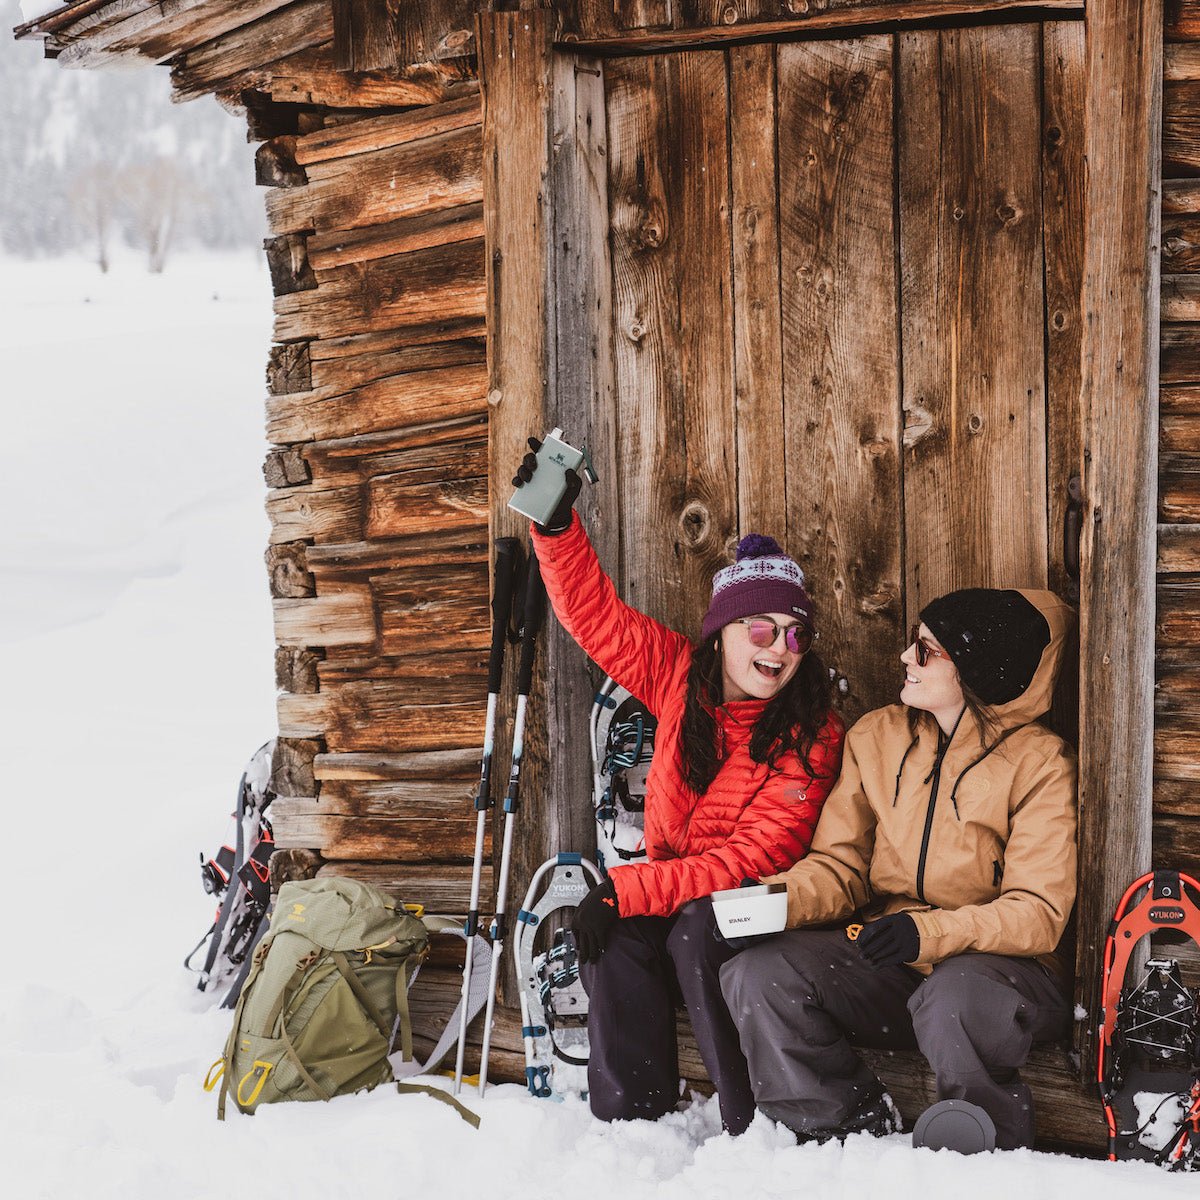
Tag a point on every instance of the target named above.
point(594, 920)
point(560, 519)
point(890, 941)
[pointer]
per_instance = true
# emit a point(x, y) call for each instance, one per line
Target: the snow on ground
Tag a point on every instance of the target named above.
point(136, 644)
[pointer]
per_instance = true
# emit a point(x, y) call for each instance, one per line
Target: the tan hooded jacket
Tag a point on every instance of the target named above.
point(980, 851)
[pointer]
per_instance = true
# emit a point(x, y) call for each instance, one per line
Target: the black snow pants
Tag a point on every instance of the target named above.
point(649, 966)
point(800, 998)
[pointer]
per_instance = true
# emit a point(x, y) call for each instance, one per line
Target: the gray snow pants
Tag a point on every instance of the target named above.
point(801, 997)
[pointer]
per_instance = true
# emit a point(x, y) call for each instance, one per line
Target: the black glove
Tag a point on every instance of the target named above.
point(594, 920)
point(560, 518)
point(890, 941)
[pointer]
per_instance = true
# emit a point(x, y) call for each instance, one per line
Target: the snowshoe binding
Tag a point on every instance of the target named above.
point(554, 1005)
point(622, 735)
point(1149, 1055)
point(238, 875)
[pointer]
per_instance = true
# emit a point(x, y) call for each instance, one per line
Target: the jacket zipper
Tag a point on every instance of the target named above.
point(943, 749)
point(933, 793)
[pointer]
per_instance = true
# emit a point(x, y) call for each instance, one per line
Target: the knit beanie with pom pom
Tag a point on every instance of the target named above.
point(762, 580)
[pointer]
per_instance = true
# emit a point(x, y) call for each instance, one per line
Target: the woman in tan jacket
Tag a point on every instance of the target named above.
point(939, 882)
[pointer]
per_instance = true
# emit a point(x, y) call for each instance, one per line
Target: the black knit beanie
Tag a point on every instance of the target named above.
point(994, 637)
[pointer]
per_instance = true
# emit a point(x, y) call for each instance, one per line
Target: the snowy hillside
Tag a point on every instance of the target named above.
point(137, 643)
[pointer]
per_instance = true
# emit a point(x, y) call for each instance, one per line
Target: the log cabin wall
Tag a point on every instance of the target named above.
point(369, 121)
point(1177, 706)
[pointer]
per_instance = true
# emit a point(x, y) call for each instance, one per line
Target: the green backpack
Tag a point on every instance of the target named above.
point(325, 998)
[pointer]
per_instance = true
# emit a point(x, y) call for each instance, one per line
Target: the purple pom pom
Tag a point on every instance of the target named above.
point(758, 545)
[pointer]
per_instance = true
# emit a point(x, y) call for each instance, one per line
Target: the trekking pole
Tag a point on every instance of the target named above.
point(507, 551)
point(535, 597)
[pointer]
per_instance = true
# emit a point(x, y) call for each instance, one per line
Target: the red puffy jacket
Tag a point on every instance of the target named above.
point(753, 820)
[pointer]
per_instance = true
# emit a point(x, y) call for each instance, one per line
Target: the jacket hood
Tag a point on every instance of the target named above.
point(1037, 697)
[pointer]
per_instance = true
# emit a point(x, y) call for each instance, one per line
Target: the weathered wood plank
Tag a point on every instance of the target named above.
point(383, 294)
point(286, 31)
point(671, 247)
point(390, 130)
point(161, 31)
point(309, 77)
point(435, 764)
point(841, 360)
point(393, 798)
point(517, 78)
point(1179, 354)
point(1178, 549)
point(457, 451)
point(380, 715)
point(306, 513)
point(793, 18)
point(971, 255)
point(1120, 398)
point(458, 673)
point(292, 766)
point(346, 363)
point(1181, 244)
point(758, 329)
point(1181, 129)
point(414, 550)
point(346, 619)
point(1064, 68)
point(287, 261)
point(1181, 20)
point(415, 616)
point(398, 401)
point(1180, 196)
point(411, 838)
point(408, 179)
point(1180, 401)
point(440, 228)
point(1180, 298)
point(442, 888)
point(338, 353)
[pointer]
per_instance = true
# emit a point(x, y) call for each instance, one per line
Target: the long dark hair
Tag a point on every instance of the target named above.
point(792, 721)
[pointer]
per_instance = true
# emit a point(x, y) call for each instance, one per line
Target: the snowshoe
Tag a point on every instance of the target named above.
point(239, 876)
point(622, 736)
point(554, 1005)
point(1149, 1055)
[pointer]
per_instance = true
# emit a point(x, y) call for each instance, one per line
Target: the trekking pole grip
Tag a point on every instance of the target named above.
point(507, 551)
point(535, 607)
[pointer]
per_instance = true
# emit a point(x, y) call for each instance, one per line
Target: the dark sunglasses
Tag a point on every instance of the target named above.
point(924, 650)
point(764, 632)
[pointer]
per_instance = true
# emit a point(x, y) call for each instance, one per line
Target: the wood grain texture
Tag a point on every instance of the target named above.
point(758, 351)
point(643, 27)
point(379, 240)
point(286, 31)
point(971, 253)
point(381, 715)
point(1120, 412)
point(1180, 298)
point(442, 282)
point(841, 357)
point(345, 619)
point(1064, 59)
point(416, 610)
point(406, 179)
point(442, 888)
point(1181, 129)
point(673, 316)
point(436, 764)
point(580, 398)
point(1181, 20)
point(455, 451)
point(307, 513)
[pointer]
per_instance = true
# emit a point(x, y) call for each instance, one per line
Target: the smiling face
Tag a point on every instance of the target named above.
point(751, 672)
point(934, 687)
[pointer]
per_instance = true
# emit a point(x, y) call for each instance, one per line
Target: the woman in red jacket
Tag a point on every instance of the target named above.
point(746, 750)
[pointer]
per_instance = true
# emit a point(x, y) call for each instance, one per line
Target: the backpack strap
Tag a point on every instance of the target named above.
point(363, 997)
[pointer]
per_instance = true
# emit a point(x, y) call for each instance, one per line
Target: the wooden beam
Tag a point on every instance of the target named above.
point(847, 18)
point(1119, 400)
